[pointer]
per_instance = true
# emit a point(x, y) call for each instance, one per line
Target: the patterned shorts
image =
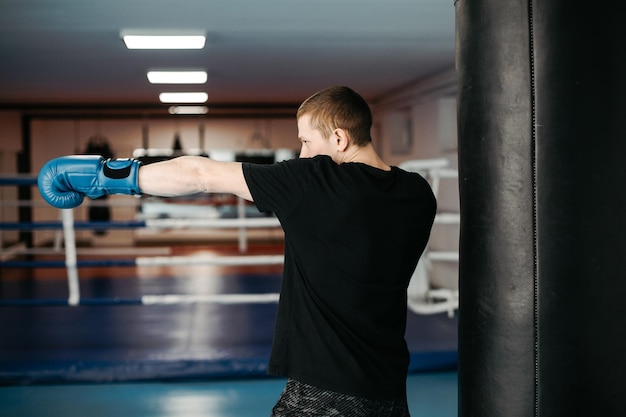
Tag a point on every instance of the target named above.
point(300, 399)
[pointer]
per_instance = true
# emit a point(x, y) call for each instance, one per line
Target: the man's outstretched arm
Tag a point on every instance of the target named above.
point(64, 182)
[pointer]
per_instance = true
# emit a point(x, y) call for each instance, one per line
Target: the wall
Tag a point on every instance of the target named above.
point(10, 145)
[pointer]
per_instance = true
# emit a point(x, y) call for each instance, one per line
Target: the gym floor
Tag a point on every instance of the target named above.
point(430, 395)
point(205, 359)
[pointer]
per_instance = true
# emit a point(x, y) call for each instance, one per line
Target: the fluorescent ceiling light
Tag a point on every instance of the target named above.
point(188, 110)
point(164, 41)
point(177, 77)
point(183, 97)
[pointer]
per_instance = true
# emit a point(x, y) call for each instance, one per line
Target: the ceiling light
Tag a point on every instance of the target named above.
point(177, 77)
point(183, 97)
point(188, 110)
point(164, 41)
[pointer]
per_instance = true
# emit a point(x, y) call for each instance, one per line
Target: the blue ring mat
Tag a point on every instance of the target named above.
point(45, 341)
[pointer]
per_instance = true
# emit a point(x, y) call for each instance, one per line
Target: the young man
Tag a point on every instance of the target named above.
point(354, 230)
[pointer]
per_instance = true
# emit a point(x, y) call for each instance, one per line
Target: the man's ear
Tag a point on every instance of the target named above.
point(341, 138)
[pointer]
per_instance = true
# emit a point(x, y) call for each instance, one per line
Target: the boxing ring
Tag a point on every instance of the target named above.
point(213, 320)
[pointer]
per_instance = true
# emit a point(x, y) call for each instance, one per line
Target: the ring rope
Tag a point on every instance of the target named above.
point(242, 260)
point(260, 222)
point(208, 223)
point(13, 179)
point(147, 300)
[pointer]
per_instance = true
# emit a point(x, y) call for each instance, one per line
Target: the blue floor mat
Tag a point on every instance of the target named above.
point(126, 342)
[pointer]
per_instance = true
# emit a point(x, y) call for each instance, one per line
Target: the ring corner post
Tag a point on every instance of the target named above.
point(67, 216)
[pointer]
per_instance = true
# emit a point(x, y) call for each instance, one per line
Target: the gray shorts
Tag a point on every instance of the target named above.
point(300, 399)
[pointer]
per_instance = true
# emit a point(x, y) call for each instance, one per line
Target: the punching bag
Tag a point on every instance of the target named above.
point(542, 177)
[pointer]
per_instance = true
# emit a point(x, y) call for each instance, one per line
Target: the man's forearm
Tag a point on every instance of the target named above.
point(175, 177)
point(192, 174)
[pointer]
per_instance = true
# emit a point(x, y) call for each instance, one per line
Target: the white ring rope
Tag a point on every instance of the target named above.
point(213, 223)
point(209, 260)
point(172, 299)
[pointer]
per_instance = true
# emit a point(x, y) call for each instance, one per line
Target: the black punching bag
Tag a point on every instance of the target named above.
point(542, 176)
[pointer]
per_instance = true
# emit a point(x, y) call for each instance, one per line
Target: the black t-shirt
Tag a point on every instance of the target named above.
point(353, 236)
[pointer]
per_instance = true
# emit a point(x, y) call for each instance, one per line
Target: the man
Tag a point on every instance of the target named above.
point(354, 227)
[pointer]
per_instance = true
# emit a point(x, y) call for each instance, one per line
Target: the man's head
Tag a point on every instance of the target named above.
point(338, 108)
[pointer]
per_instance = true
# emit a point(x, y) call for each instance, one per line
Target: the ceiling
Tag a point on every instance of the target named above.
point(258, 52)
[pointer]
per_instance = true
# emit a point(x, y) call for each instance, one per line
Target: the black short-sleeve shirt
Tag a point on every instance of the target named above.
point(353, 236)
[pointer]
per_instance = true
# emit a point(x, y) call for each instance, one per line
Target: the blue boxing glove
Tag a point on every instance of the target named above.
point(64, 182)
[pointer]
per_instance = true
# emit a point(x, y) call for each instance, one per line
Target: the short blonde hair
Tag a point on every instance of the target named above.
point(339, 108)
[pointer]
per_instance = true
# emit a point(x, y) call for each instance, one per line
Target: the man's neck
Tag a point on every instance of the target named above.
point(365, 155)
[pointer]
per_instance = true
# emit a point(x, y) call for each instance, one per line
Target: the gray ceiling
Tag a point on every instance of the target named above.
point(60, 52)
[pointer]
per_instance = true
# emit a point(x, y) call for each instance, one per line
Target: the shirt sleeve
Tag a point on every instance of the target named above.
point(278, 187)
